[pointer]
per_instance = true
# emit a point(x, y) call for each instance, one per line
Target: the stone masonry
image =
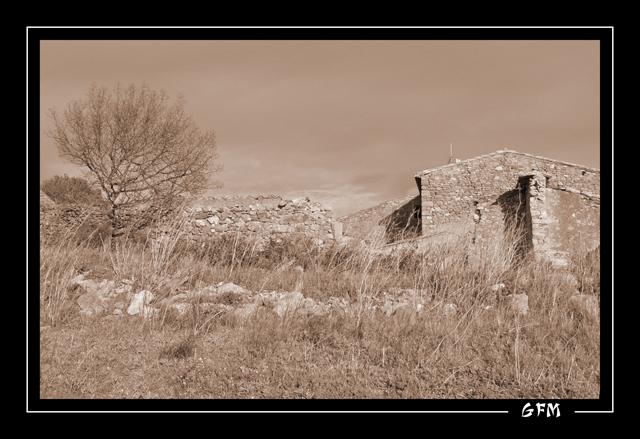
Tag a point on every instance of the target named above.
point(392, 220)
point(246, 215)
point(59, 220)
point(269, 214)
point(556, 204)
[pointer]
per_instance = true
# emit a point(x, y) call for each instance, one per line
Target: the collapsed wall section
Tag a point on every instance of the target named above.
point(206, 217)
point(249, 215)
point(389, 221)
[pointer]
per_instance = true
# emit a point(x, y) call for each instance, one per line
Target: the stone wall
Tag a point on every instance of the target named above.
point(60, 220)
point(251, 215)
point(391, 220)
point(211, 216)
point(557, 204)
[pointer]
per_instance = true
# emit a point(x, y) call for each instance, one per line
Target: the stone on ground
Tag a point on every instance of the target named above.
point(258, 300)
point(246, 311)
point(97, 298)
point(406, 314)
point(450, 310)
point(519, 303)
point(139, 301)
point(390, 307)
point(231, 288)
point(585, 304)
point(289, 303)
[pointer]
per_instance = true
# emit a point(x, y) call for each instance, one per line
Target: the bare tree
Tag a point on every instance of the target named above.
point(137, 149)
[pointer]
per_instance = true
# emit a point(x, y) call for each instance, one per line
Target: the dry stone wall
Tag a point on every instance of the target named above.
point(60, 220)
point(211, 216)
point(556, 203)
point(393, 220)
point(251, 215)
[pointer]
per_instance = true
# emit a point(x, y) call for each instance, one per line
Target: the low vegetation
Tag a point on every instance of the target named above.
point(485, 350)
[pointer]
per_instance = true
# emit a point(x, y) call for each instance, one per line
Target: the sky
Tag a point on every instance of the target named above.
point(347, 123)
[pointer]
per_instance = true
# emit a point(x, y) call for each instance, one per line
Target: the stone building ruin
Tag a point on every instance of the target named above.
point(250, 216)
point(555, 204)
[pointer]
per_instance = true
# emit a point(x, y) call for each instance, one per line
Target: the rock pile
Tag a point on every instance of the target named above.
point(117, 301)
point(246, 215)
point(403, 307)
point(268, 214)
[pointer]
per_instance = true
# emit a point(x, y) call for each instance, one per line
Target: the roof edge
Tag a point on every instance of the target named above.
point(503, 151)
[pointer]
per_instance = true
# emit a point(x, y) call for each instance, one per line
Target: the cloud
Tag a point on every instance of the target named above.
point(348, 122)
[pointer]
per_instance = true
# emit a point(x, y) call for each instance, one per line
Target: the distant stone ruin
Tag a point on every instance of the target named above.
point(266, 214)
point(555, 204)
point(211, 216)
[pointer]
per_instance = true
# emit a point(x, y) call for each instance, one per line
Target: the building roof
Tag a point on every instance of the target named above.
point(462, 162)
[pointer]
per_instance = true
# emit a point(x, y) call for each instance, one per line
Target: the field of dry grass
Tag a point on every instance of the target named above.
point(484, 350)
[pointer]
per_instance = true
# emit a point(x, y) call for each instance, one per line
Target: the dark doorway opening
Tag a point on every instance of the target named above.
point(516, 216)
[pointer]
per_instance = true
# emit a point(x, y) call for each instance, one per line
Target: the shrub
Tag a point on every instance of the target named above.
point(93, 235)
point(67, 189)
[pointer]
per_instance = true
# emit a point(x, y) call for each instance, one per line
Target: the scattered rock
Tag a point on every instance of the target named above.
point(246, 311)
point(97, 298)
point(406, 314)
point(390, 307)
point(559, 263)
point(584, 304)
point(519, 303)
point(76, 280)
point(113, 317)
point(139, 301)
point(178, 298)
point(258, 300)
point(117, 312)
point(497, 287)
point(180, 308)
point(289, 303)
point(450, 310)
point(231, 288)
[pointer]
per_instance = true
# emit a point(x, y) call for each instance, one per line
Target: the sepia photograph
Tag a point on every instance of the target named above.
point(332, 214)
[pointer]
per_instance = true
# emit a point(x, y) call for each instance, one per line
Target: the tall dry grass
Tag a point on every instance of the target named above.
point(546, 353)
